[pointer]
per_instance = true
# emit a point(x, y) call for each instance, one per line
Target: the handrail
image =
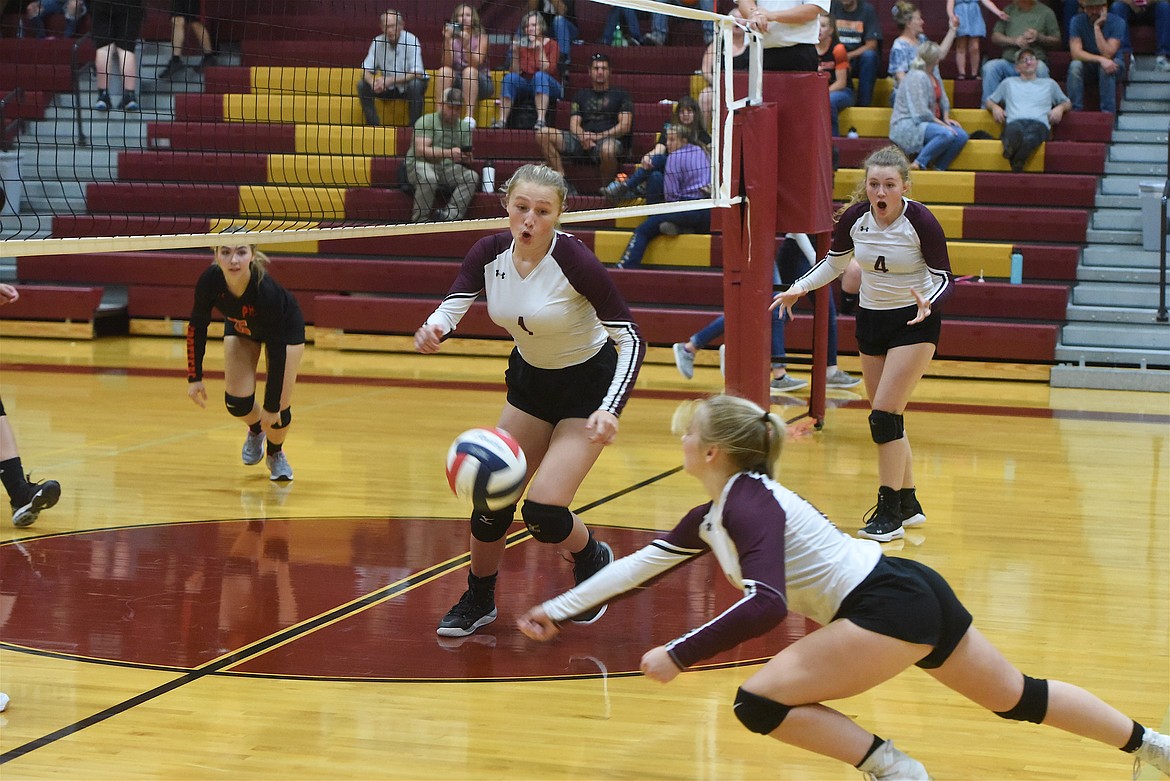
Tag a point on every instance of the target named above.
point(75, 69)
point(1162, 315)
point(14, 96)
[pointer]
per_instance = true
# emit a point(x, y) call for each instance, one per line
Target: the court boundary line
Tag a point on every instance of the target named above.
point(263, 645)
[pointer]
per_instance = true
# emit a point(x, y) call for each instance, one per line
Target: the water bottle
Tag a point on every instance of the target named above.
point(852, 133)
point(489, 177)
point(619, 38)
point(1017, 266)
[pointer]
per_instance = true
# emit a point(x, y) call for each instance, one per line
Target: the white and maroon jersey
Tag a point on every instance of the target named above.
point(908, 254)
point(560, 315)
point(775, 546)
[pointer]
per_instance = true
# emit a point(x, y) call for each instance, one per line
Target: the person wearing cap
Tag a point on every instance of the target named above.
point(1027, 106)
point(257, 313)
point(1094, 41)
point(440, 156)
point(1030, 23)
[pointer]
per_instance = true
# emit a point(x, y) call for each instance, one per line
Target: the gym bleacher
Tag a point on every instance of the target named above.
point(279, 140)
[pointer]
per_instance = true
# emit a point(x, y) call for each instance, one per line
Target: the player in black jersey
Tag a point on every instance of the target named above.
point(257, 313)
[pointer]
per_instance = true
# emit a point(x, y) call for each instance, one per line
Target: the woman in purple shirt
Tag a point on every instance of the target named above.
point(688, 178)
point(879, 615)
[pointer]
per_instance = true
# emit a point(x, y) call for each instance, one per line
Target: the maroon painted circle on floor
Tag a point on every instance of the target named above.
point(335, 598)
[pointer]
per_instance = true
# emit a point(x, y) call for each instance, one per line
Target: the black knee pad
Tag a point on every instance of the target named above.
point(547, 522)
point(759, 714)
point(239, 406)
point(1033, 704)
point(285, 418)
point(885, 426)
point(489, 527)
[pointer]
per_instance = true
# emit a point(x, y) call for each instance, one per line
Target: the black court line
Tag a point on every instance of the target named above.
point(306, 627)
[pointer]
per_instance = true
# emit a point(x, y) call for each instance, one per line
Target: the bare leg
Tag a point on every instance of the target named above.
point(979, 672)
point(292, 364)
point(101, 62)
point(889, 381)
point(241, 357)
point(128, 61)
point(470, 91)
point(551, 144)
point(823, 666)
point(608, 159)
point(178, 35)
point(443, 80)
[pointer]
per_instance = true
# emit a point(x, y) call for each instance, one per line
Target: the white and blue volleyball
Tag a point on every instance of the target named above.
point(486, 467)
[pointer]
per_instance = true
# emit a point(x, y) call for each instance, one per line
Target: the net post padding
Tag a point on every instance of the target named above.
point(792, 171)
point(749, 250)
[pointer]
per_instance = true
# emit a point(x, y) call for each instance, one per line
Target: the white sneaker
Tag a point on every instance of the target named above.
point(722, 351)
point(1155, 751)
point(840, 379)
point(684, 360)
point(890, 764)
point(1162, 63)
point(3, 702)
point(279, 467)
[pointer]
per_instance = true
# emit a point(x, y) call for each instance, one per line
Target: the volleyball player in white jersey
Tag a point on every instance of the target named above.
point(905, 276)
point(878, 615)
point(577, 354)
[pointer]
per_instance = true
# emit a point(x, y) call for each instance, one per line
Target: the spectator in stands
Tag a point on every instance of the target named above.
point(905, 47)
point(859, 30)
point(660, 23)
point(38, 11)
point(1027, 106)
point(789, 29)
point(393, 68)
point(905, 278)
point(835, 62)
point(560, 16)
point(1030, 23)
point(440, 156)
point(970, 32)
point(117, 25)
point(465, 67)
point(739, 61)
point(259, 314)
point(921, 122)
point(688, 178)
point(628, 19)
point(184, 13)
point(533, 71)
point(1094, 40)
point(648, 177)
point(599, 127)
point(1144, 11)
point(26, 498)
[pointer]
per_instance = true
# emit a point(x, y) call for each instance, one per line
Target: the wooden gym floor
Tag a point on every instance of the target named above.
point(178, 616)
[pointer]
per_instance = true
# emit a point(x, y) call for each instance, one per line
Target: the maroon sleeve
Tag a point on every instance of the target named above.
point(842, 238)
point(933, 242)
point(755, 521)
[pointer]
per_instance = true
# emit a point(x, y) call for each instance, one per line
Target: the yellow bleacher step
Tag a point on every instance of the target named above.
point(931, 186)
point(689, 249)
point(328, 170)
point(874, 121)
point(347, 140)
point(322, 203)
point(219, 225)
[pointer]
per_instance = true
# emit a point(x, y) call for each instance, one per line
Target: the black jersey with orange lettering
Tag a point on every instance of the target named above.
point(265, 313)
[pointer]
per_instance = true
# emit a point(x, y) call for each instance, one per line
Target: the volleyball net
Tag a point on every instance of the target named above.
point(265, 124)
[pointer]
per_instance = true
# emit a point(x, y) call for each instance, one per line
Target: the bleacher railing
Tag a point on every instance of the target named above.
point(1162, 316)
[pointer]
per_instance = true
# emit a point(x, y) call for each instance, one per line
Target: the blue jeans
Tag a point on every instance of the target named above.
point(865, 70)
point(995, 71)
point(942, 145)
point(516, 86)
point(841, 99)
point(1079, 70)
point(698, 220)
point(654, 177)
point(791, 265)
point(660, 23)
point(565, 32)
point(1161, 12)
point(628, 18)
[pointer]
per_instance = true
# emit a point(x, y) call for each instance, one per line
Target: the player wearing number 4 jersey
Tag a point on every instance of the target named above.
point(577, 354)
point(905, 276)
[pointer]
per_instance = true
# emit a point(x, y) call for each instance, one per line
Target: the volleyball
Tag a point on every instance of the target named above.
point(485, 466)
